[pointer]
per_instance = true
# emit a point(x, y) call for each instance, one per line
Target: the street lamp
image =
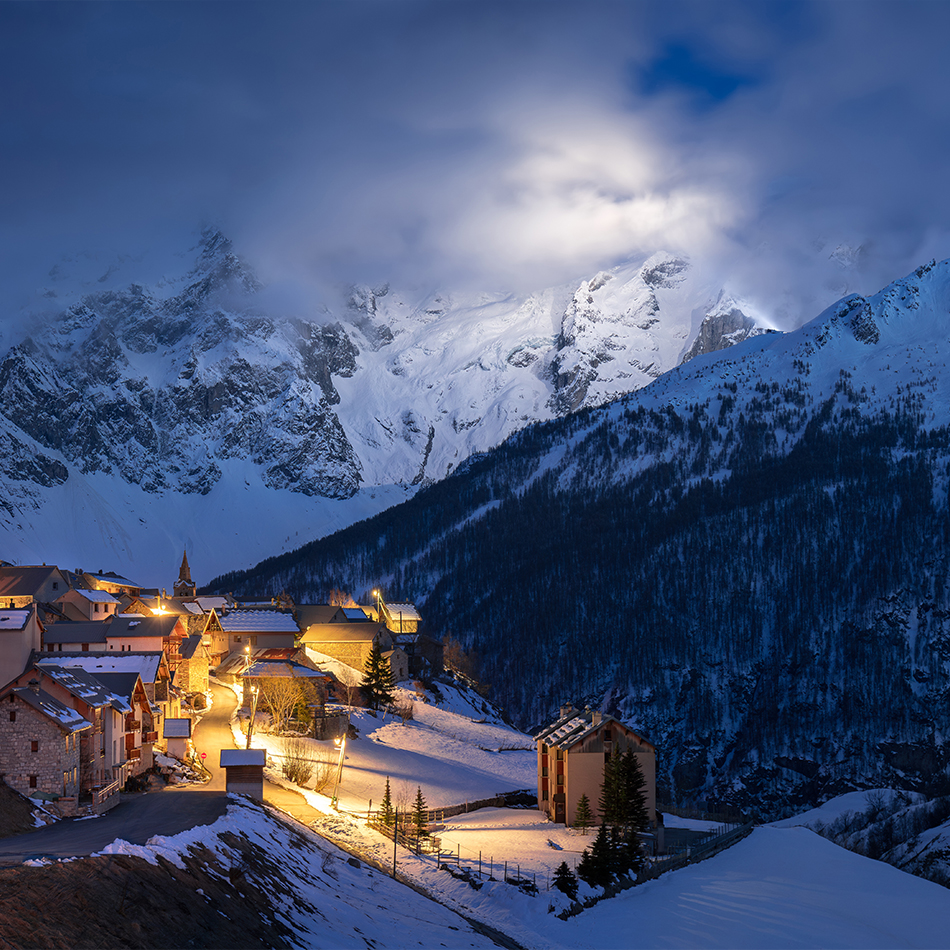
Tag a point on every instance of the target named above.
point(341, 743)
point(379, 605)
point(250, 722)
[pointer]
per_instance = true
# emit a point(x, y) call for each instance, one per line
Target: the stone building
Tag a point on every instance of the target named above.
point(40, 743)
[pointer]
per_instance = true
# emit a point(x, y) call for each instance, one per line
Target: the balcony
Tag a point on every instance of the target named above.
point(150, 737)
point(132, 725)
point(133, 754)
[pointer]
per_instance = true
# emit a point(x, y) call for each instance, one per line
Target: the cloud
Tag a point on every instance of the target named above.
point(493, 144)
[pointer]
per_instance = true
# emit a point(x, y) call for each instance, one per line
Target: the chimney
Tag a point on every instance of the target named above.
point(595, 717)
point(566, 710)
point(34, 684)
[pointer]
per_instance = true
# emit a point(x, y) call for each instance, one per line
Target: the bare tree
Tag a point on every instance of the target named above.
point(339, 598)
point(284, 694)
point(350, 679)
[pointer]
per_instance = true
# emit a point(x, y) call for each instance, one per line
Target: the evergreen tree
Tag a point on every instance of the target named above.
point(631, 794)
point(601, 860)
point(420, 814)
point(610, 794)
point(386, 813)
point(377, 684)
point(583, 819)
point(565, 881)
point(585, 868)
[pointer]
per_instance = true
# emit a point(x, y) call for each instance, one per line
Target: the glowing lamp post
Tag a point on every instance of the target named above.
point(250, 722)
point(341, 743)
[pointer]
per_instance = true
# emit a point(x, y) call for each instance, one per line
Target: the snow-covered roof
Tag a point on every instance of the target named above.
point(577, 725)
point(145, 664)
point(408, 611)
point(354, 613)
point(64, 716)
point(192, 607)
point(97, 596)
point(283, 669)
point(85, 686)
point(258, 621)
point(243, 757)
point(14, 619)
point(108, 577)
point(212, 603)
point(176, 729)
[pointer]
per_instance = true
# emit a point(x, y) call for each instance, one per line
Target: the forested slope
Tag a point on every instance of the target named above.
point(747, 560)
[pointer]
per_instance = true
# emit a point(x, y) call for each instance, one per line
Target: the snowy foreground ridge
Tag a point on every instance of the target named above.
point(780, 887)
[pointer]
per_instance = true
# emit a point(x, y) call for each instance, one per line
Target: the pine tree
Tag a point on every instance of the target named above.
point(583, 818)
point(377, 684)
point(420, 814)
point(631, 799)
point(601, 859)
point(585, 868)
point(610, 791)
point(565, 881)
point(386, 813)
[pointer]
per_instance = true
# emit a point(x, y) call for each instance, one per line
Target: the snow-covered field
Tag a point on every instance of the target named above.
point(443, 749)
point(782, 887)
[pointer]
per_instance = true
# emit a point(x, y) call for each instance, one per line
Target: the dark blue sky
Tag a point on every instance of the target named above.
point(505, 145)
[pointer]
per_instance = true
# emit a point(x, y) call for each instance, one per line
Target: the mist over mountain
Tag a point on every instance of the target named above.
point(201, 406)
point(746, 559)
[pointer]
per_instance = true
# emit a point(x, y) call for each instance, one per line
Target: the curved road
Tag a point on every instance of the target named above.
point(167, 811)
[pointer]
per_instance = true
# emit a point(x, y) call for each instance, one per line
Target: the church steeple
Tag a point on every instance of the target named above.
point(185, 586)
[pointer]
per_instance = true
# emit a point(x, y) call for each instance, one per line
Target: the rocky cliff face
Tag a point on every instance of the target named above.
point(191, 385)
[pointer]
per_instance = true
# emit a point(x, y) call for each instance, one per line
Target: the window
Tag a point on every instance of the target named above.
point(560, 778)
point(95, 608)
point(85, 647)
point(12, 715)
point(35, 745)
point(560, 755)
point(32, 781)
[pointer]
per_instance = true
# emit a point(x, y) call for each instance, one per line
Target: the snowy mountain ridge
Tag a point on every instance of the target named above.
point(137, 398)
point(746, 559)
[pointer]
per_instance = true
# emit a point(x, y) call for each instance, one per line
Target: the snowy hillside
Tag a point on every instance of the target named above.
point(746, 559)
point(776, 889)
point(140, 417)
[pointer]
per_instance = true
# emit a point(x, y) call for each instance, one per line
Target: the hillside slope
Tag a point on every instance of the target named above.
point(747, 559)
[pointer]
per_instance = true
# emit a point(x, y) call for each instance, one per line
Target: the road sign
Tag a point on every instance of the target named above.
point(204, 755)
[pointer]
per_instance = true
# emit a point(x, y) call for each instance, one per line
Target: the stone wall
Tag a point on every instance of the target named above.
point(18, 761)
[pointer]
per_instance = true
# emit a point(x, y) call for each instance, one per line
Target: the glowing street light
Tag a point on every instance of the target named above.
point(341, 743)
point(250, 722)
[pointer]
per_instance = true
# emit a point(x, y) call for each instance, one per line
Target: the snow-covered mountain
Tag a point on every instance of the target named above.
point(127, 403)
point(746, 559)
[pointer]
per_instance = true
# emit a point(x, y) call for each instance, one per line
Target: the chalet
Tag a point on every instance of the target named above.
point(39, 742)
point(76, 637)
point(262, 629)
point(571, 755)
point(151, 667)
point(20, 634)
point(85, 605)
point(111, 582)
point(127, 633)
point(346, 634)
point(23, 586)
point(400, 618)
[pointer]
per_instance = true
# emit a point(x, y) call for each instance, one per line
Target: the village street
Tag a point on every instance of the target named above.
point(166, 811)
